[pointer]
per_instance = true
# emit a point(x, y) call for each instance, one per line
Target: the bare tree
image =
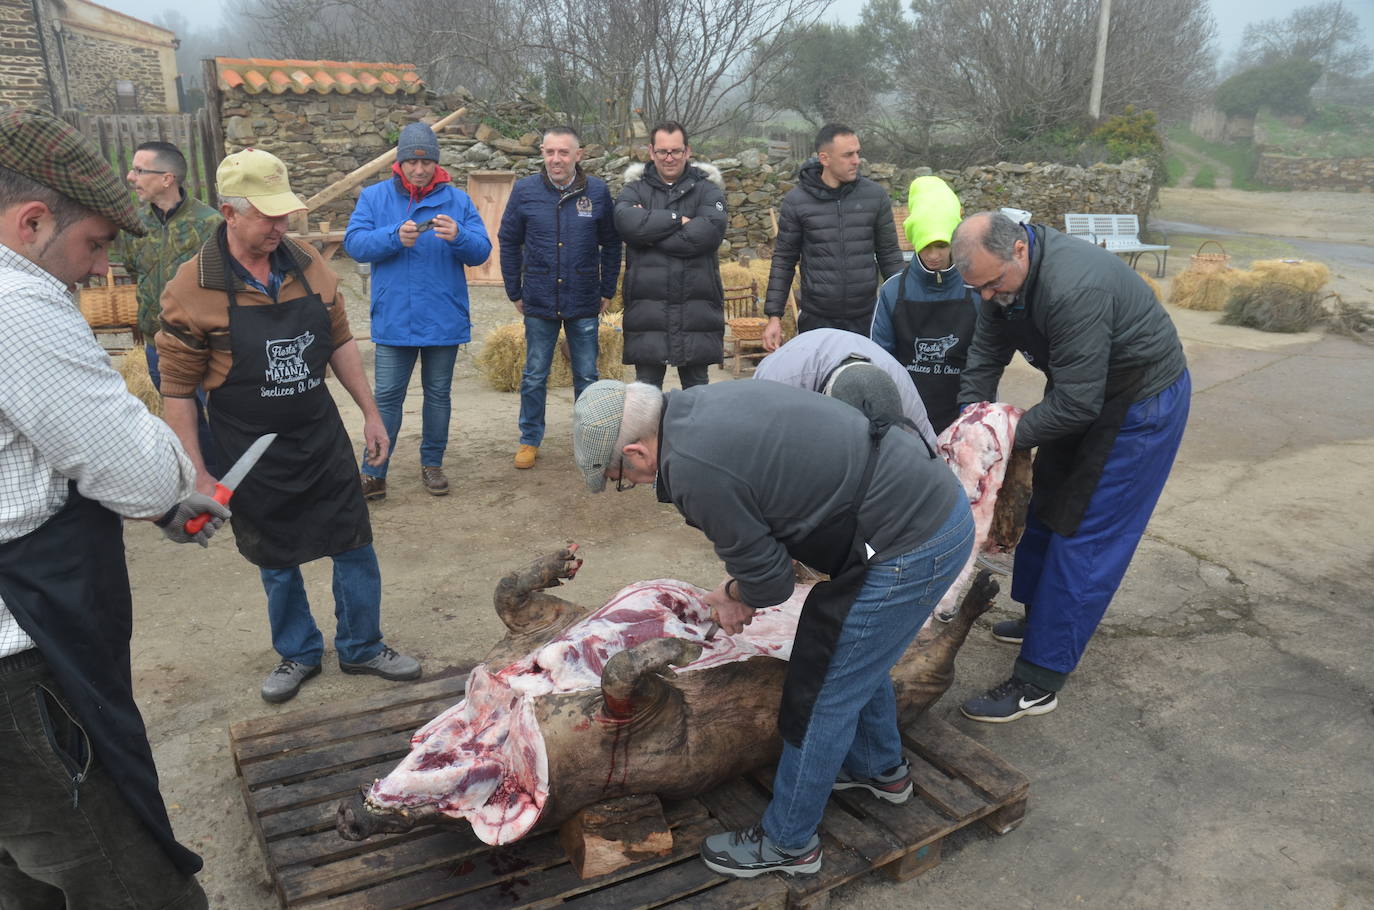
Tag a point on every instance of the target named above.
point(1325, 32)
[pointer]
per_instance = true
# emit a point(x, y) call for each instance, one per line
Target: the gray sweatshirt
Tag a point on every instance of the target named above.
point(757, 466)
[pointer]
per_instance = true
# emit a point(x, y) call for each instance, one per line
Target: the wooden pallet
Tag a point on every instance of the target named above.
point(294, 769)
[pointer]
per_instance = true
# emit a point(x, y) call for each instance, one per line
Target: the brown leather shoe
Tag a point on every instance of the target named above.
point(435, 481)
point(374, 488)
point(525, 456)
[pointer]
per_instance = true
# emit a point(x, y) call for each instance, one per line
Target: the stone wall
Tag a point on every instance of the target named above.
point(1351, 175)
point(95, 63)
point(321, 137)
point(23, 78)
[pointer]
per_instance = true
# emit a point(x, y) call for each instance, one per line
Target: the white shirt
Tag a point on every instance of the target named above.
point(65, 414)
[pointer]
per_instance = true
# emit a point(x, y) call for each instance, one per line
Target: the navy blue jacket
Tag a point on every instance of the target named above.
point(560, 253)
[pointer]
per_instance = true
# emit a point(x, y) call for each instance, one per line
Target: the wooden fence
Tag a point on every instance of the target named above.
point(118, 135)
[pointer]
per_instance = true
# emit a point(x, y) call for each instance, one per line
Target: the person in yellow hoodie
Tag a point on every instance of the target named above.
point(925, 314)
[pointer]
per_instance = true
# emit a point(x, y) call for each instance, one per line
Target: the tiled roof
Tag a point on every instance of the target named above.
point(319, 76)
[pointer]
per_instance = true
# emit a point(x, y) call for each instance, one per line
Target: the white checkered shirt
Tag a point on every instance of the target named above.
point(66, 414)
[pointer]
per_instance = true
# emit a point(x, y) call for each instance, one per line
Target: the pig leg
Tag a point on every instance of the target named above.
point(521, 603)
point(1009, 515)
point(355, 820)
point(927, 668)
point(633, 679)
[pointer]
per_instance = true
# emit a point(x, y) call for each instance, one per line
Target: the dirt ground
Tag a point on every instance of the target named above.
point(1152, 785)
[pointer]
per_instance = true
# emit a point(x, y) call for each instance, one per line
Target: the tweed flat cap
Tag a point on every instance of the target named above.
point(596, 424)
point(50, 152)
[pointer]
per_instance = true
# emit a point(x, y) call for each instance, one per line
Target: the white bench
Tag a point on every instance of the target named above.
point(1117, 234)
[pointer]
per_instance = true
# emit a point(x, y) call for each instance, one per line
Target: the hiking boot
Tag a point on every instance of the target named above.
point(388, 664)
point(283, 683)
point(435, 481)
point(893, 785)
point(747, 853)
point(374, 488)
point(1013, 699)
point(525, 456)
point(1011, 631)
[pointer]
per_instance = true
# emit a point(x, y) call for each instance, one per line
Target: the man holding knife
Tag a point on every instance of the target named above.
point(771, 473)
point(256, 318)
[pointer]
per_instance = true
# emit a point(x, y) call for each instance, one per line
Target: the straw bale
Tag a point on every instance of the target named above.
point(1305, 275)
point(1271, 306)
point(502, 358)
point(1153, 285)
point(610, 347)
point(133, 366)
point(1195, 289)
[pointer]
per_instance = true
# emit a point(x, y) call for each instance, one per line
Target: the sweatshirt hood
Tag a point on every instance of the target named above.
point(704, 171)
point(419, 192)
point(934, 212)
point(809, 179)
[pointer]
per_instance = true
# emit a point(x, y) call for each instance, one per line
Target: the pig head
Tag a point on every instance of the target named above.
point(573, 707)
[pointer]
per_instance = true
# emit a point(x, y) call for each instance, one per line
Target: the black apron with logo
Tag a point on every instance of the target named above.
point(932, 341)
point(835, 547)
point(302, 500)
point(67, 586)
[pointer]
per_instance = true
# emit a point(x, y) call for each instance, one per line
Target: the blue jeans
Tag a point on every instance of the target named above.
point(392, 375)
point(357, 610)
point(208, 452)
point(854, 720)
point(540, 337)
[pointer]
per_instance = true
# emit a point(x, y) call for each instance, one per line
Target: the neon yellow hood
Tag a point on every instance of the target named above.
point(934, 212)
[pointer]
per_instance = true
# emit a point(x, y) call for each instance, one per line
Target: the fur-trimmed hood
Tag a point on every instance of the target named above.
point(707, 171)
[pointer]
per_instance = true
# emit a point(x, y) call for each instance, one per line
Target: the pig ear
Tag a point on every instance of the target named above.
point(633, 679)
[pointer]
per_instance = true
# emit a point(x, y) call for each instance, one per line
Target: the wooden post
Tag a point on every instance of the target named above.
point(616, 833)
point(214, 104)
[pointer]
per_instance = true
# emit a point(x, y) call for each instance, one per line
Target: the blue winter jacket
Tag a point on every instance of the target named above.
point(419, 294)
point(560, 253)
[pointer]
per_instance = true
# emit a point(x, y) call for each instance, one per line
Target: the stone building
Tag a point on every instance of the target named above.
point(74, 55)
point(323, 118)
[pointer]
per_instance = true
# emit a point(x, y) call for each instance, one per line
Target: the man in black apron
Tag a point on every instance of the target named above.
point(1108, 428)
point(771, 473)
point(256, 318)
point(83, 824)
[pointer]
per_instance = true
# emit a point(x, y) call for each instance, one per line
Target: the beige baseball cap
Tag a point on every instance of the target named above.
point(260, 177)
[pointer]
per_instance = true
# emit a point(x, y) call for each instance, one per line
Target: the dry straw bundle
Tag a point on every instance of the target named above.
point(133, 366)
point(1278, 295)
point(1153, 286)
point(1300, 273)
point(1207, 282)
point(502, 358)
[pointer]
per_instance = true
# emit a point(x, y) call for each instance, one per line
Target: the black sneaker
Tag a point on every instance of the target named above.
point(895, 785)
point(1013, 699)
point(1011, 631)
point(747, 853)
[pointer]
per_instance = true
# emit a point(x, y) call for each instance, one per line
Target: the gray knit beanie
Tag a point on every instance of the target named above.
point(417, 141)
point(866, 387)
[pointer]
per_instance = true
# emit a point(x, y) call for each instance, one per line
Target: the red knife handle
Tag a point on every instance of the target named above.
point(222, 494)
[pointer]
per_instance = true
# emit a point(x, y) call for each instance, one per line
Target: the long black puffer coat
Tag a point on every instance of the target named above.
point(674, 301)
point(844, 237)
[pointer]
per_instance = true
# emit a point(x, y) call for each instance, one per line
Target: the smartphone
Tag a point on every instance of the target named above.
point(425, 226)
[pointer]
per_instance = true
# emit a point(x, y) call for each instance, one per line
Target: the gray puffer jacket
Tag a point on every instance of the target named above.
point(843, 236)
point(1082, 316)
point(674, 301)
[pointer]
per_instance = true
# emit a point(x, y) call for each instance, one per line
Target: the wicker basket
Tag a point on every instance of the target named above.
point(110, 304)
point(1210, 262)
point(747, 328)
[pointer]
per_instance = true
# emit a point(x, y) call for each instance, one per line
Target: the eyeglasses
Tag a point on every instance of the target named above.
point(140, 171)
point(620, 483)
point(989, 285)
point(669, 153)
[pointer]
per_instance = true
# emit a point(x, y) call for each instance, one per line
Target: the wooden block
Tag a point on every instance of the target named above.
point(1006, 819)
point(914, 863)
point(616, 833)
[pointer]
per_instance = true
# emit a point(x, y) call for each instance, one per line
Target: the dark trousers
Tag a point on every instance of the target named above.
point(66, 847)
point(859, 326)
point(653, 374)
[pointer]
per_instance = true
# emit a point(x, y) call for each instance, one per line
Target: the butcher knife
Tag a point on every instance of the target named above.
point(230, 481)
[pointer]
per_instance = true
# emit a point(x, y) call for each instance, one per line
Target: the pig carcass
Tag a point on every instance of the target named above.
point(995, 477)
point(572, 707)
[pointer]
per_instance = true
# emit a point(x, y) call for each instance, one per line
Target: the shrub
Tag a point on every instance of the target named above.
point(1285, 87)
point(1131, 134)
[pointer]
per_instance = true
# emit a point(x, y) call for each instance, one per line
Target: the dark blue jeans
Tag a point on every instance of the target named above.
point(541, 335)
point(96, 854)
point(357, 610)
point(207, 442)
point(854, 720)
point(392, 376)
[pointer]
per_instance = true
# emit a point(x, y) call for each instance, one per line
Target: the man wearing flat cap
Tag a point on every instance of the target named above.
point(771, 473)
point(83, 821)
point(256, 318)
